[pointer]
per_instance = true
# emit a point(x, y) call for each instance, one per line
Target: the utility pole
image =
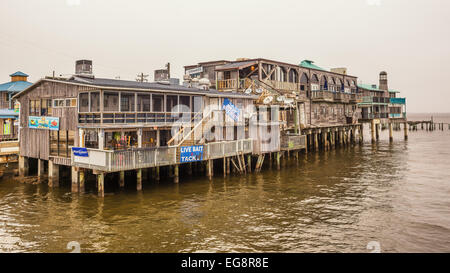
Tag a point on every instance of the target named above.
point(142, 78)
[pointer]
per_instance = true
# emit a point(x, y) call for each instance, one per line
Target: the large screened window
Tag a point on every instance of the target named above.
point(111, 101)
point(143, 103)
point(171, 102)
point(84, 102)
point(127, 102)
point(95, 101)
point(185, 104)
point(157, 103)
point(198, 103)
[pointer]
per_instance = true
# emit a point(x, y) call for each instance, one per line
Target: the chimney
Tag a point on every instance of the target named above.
point(383, 81)
point(83, 68)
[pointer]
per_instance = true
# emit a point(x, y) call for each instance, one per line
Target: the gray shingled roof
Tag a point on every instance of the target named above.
point(149, 85)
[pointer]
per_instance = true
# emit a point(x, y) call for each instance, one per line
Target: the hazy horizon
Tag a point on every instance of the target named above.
point(408, 39)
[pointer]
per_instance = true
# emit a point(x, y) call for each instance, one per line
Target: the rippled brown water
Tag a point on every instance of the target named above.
point(397, 194)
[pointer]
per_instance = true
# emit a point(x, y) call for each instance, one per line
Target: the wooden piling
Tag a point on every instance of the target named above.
point(82, 181)
point(101, 184)
point(405, 129)
point(372, 130)
point(53, 174)
point(176, 174)
point(122, 179)
point(391, 134)
point(75, 179)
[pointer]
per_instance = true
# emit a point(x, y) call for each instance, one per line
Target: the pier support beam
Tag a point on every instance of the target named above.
point(40, 167)
point(377, 131)
point(405, 129)
point(23, 166)
point(391, 134)
point(139, 179)
point(75, 180)
point(176, 174)
point(372, 130)
point(122, 179)
point(316, 141)
point(53, 174)
point(278, 158)
point(101, 184)
point(82, 180)
point(209, 169)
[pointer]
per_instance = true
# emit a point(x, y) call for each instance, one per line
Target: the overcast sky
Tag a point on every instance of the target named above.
point(410, 39)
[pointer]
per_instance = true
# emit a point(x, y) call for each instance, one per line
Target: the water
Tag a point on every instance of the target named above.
point(395, 194)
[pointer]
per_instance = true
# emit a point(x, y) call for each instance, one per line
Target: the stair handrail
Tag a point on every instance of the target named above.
point(194, 128)
point(183, 128)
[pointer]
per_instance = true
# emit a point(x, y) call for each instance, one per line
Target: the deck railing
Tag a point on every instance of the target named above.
point(293, 142)
point(131, 159)
point(231, 84)
point(322, 95)
point(228, 148)
point(122, 160)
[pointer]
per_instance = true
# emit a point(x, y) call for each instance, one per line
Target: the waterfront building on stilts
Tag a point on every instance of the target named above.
point(381, 108)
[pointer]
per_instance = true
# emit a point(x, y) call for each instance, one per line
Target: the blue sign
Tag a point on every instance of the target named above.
point(191, 154)
point(49, 123)
point(230, 109)
point(81, 152)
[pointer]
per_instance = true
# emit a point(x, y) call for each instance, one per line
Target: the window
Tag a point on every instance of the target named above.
point(95, 101)
point(111, 101)
point(60, 143)
point(84, 102)
point(185, 102)
point(171, 102)
point(58, 103)
point(143, 103)
point(73, 102)
point(46, 107)
point(127, 102)
point(157, 103)
point(35, 107)
point(197, 100)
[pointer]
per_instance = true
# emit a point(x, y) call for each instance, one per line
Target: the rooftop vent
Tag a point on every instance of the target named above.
point(83, 68)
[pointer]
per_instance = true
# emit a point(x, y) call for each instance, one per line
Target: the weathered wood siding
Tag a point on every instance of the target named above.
point(35, 142)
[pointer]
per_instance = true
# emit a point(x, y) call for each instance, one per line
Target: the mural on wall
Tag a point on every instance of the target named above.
point(49, 123)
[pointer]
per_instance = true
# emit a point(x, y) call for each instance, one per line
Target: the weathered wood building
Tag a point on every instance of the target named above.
point(125, 125)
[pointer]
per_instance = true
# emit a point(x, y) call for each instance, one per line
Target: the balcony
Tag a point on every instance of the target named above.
point(397, 115)
point(132, 159)
point(374, 115)
point(375, 100)
point(322, 95)
point(398, 100)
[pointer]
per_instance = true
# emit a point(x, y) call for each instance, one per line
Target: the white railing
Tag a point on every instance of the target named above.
point(228, 148)
point(122, 160)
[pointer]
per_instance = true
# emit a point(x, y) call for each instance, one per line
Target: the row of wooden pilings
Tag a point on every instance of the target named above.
point(320, 138)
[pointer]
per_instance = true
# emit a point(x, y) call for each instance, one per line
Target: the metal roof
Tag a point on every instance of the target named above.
point(8, 113)
point(369, 87)
point(18, 74)
point(15, 86)
point(238, 65)
point(144, 86)
point(310, 64)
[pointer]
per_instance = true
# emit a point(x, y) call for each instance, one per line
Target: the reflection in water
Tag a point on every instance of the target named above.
point(396, 194)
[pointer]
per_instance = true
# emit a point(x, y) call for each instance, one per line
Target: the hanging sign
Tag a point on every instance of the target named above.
point(191, 154)
point(50, 123)
point(231, 110)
